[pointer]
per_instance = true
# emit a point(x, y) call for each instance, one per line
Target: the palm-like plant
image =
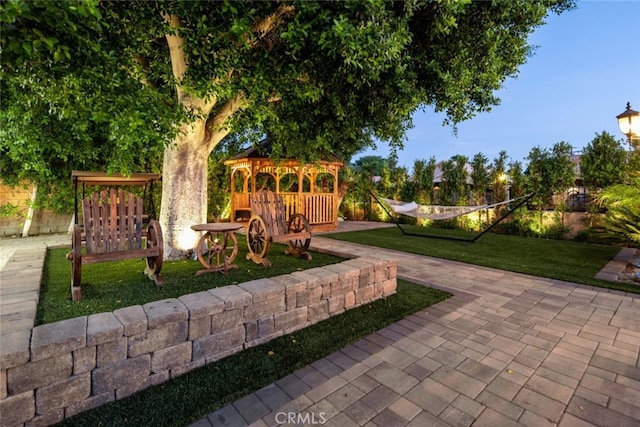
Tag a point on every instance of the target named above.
point(623, 209)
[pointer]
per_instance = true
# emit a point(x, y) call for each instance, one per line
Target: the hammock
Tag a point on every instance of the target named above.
point(442, 212)
point(436, 212)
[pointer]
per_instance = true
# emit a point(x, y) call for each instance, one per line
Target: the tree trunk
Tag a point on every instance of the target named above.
point(27, 222)
point(184, 170)
point(184, 191)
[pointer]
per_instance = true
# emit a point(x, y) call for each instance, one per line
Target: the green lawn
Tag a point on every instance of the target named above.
point(111, 285)
point(557, 259)
point(192, 396)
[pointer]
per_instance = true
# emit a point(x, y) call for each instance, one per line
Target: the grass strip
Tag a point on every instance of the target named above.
point(192, 396)
point(109, 286)
point(557, 259)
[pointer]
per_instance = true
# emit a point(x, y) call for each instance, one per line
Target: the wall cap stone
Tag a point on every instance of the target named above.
point(57, 338)
point(202, 304)
point(103, 327)
point(165, 311)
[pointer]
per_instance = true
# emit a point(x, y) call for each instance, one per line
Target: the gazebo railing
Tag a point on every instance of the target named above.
point(319, 208)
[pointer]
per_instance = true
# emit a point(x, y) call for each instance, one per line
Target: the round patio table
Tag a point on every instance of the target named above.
point(218, 246)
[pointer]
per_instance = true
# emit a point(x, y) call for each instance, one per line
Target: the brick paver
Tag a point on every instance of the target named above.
point(507, 349)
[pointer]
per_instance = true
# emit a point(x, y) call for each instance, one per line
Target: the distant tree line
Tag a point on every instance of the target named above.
point(547, 173)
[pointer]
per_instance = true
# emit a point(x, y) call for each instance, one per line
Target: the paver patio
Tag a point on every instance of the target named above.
point(507, 350)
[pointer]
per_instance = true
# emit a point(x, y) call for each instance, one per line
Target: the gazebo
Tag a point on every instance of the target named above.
point(309, 189)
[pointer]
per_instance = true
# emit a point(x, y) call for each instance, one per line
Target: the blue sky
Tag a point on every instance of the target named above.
point(584, 71)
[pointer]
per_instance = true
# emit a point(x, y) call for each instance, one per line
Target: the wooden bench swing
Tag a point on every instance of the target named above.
point(113, 230)
point(268, 224)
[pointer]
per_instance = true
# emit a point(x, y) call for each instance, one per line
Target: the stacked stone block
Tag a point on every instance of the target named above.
point(75, 365)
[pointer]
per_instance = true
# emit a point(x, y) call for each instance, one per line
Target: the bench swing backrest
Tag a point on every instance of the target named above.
point(113, 221)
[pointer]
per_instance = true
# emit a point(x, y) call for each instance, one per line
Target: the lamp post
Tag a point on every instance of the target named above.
point(629, 123)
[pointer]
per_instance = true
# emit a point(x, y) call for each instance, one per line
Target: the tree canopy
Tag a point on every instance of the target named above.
point(126, 85)
point(95, 79)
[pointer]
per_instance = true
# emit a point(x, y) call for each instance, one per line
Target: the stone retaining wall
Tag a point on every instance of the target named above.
point(58, 370)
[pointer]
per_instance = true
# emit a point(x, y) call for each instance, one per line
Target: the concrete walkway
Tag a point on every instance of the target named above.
point(9, 245)
point(506, 349)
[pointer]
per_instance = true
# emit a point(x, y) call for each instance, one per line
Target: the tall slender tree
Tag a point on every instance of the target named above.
point(480, 177)
point(423, 177)
point(516, 179)
point(499, 177)
point(454, 177)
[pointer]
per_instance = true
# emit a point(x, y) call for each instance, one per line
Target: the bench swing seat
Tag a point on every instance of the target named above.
point(113, 231)
point(268, 224)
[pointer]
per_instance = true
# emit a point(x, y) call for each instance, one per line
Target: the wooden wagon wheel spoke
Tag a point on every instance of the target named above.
point(217, 247)
point(257, 240)
point(218, 251)
point(229, 249)
point(299, 224)
point(154, 241)
point(208, 248)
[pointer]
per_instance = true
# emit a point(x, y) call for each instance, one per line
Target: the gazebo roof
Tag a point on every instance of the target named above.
point(264, 149)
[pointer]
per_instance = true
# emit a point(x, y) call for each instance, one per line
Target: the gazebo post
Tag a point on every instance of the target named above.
point(233, 194)
point(245, 182)
point(253, 178)
point(336, 184)
point(303, 207)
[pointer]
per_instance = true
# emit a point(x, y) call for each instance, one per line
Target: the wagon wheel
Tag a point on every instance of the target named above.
point(298, 223)
point(217, 251)
point(258, 240)
point(154, 241)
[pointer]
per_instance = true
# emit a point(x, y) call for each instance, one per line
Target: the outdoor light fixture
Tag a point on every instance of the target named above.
point(629, 123)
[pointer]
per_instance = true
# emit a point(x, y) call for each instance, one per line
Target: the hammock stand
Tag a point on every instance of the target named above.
point(524, 200)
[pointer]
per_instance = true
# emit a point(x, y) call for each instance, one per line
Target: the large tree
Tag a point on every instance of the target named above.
point(603, 162)
point(549, 172)
point(127, 79)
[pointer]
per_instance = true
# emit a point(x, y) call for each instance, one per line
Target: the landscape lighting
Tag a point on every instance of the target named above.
point(629, 123)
